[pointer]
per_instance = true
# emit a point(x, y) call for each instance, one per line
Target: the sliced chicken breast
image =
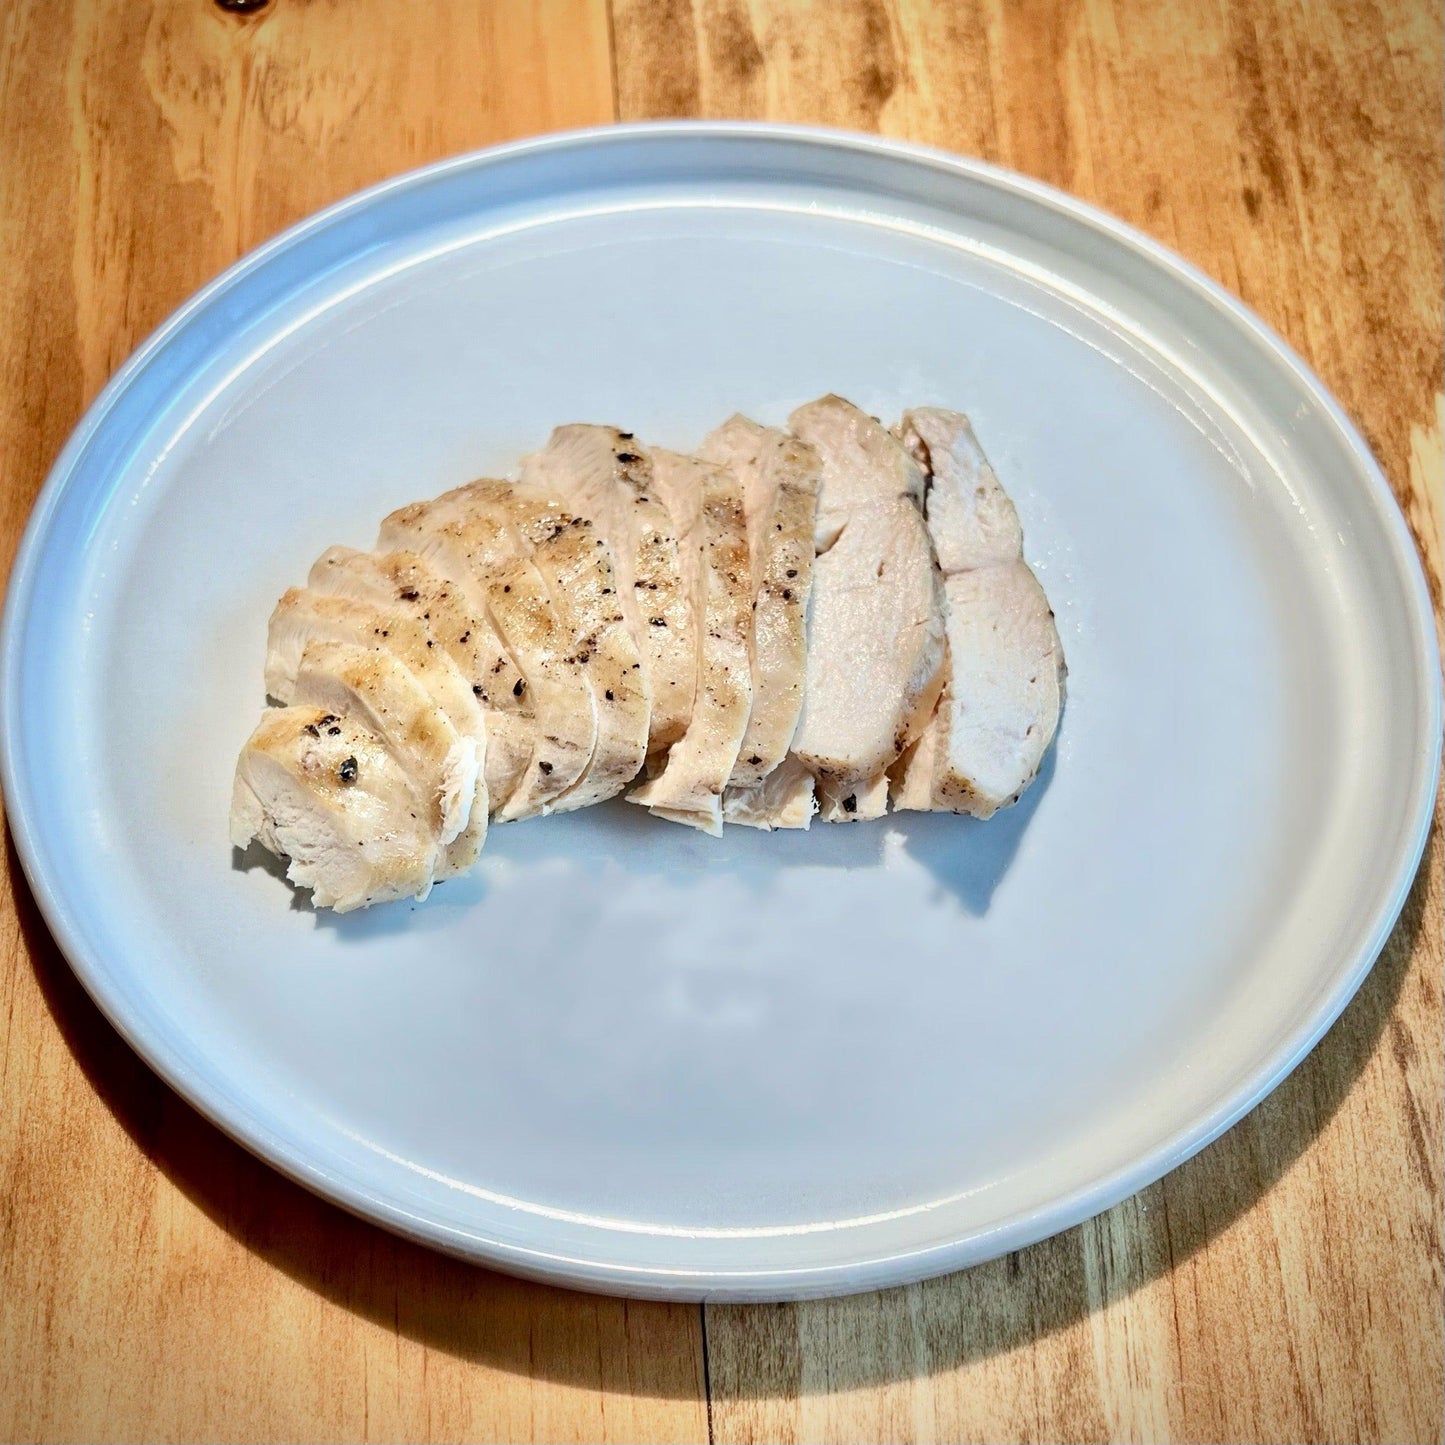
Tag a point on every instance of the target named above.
point(706, 504)
point(323, 791)
point(779, 477)
point(577, 566)
point(875, 642)
point(1000, 708)
point(302, 617)
point(469, 538)
point(605, 475)
point(384, 696)
point(406, 582)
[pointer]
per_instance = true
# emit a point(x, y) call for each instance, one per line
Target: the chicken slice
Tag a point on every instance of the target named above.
point(322, 790)
point(706, 504)
point(779, 477)
point(875, 641)
point(384, 697)
point(303, 616)
point(406, 582)
point(862, 463)
point(606, 476)
point(470, 540)
point(578, 570)
point(1000, 708)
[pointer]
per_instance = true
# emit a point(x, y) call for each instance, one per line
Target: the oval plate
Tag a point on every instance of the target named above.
point(626, 1056)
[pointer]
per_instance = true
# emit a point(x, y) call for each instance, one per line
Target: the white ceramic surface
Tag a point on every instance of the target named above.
point(628, 1056)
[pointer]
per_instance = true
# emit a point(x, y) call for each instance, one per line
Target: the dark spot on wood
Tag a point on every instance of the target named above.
point(1258, 123)
point(733, 46)
point(1251, 199)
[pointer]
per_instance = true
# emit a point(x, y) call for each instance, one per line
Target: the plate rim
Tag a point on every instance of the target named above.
point(866, 1271)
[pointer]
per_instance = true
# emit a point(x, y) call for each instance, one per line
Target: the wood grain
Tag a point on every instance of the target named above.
point(157, 1282)
point(1286, 1284)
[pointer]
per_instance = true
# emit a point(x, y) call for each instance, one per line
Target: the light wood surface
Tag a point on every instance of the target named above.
point(156, 1282)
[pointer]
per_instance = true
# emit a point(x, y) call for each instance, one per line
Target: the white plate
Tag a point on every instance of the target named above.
point(628, 1056)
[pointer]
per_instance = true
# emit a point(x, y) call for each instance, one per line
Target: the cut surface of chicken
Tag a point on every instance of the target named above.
point(324, 792)
point(707, 508)
point(1000, 708)
point(303, 616)
point(910, 779)
point(784, 799)
point(384, 697)
point(970, 517)
point(861, 461)
point(606, 475)
point(471, 541)
point(779, 478)
point(406, 582)
point(577, 566)
point(875, 641)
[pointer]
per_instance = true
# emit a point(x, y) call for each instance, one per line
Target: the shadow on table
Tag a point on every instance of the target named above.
point(753, 1351)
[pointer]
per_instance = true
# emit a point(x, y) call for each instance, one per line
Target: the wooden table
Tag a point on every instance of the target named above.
point(155, 1281)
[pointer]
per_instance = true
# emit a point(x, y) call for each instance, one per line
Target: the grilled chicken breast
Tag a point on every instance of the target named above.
point(605, 475)
point(785, 624)
point(404, 582)
point(706, 504)
point(303, 617)
point(1000, 707)
point(578, 570)
point(322, 790)
point(875, 630)
point(383, 697)
point(779, 477)
point(468, 537)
